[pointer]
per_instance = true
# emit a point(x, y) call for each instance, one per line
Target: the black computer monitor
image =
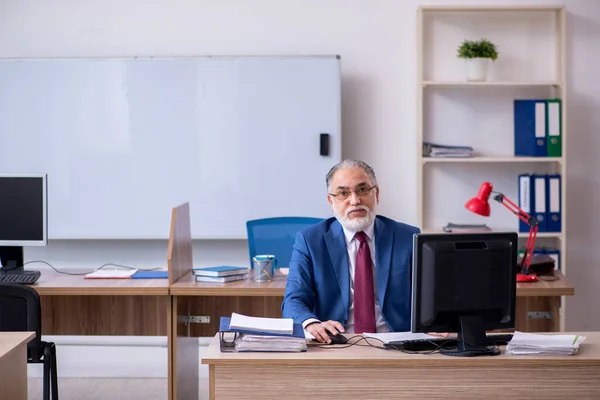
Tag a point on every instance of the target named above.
point(23, 218)
point(465, 283)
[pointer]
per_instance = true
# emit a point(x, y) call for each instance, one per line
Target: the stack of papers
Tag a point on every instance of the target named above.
point(280, 326)
point(444, 151)
point(249, 342)
point(529, 343)
point(265, 334)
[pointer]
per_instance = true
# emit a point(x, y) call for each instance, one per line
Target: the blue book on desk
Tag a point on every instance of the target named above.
point(225, 322)
point(139, 274)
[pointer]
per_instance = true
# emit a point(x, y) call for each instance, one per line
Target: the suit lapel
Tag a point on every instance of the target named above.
point(384, 239)
point(336, 244)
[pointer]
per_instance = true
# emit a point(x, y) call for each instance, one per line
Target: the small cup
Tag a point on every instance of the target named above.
point(264, 267)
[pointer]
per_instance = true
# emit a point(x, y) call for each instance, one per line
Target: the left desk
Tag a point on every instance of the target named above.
point(13, 364)
point(72, 305)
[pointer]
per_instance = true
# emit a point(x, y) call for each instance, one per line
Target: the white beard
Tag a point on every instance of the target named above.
point(355, 224)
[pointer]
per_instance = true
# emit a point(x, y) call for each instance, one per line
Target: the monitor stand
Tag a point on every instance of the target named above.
point(472, 339)
point(11, 259)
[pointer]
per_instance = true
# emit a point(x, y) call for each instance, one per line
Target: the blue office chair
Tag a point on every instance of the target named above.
point(276, 236)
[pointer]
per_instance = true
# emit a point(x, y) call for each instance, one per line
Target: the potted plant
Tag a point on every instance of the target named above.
point(477, 54)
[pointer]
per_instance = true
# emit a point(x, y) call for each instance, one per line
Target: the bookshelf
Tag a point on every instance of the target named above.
point(531, 43)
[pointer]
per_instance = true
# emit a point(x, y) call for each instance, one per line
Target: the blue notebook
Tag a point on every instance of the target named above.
point(222, 270)
point(139, 274)
point(225, 321)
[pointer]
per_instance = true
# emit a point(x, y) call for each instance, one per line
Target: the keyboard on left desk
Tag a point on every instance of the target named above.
point(26, 278)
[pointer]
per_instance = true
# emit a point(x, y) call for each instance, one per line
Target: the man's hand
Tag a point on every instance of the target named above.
point(319, 330)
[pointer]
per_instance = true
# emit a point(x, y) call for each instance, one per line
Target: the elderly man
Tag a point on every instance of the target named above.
point(351, 273)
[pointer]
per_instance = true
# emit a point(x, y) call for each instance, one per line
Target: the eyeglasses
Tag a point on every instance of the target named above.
point(343, 194)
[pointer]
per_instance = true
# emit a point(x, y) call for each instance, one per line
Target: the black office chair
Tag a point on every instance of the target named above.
point(20, 311)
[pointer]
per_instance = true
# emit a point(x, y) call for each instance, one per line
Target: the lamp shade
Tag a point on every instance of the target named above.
point(479, 204)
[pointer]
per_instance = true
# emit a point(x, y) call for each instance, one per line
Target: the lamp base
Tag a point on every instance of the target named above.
point(527, 277)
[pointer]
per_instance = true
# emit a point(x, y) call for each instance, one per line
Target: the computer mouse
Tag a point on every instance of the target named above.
point(337, 339)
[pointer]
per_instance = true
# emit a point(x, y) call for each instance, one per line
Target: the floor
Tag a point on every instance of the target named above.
point(114, 389)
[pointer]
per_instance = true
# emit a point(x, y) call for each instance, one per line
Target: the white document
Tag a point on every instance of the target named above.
point(530, 343)
point(111, 274)
point(398, 336)
point(259, 324)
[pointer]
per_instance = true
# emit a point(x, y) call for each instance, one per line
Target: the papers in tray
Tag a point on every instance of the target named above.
point(529, 343)
point(265, 343)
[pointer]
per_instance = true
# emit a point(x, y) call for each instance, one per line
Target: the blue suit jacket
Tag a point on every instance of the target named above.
point(318, 284)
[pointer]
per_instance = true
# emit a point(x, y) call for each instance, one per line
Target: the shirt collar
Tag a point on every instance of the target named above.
point(369, 231)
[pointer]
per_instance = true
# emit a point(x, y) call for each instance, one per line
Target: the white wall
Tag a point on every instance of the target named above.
point(377, 43)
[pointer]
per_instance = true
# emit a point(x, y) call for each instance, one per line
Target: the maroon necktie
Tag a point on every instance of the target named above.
point(364, 296)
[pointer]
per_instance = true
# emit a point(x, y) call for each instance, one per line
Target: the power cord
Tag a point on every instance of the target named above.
point(89, 272)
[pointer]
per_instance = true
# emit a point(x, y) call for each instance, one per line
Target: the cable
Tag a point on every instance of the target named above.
point(437, 349)
point(89, 272)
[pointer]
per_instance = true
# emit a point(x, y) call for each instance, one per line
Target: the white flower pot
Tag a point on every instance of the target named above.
point(477, 69)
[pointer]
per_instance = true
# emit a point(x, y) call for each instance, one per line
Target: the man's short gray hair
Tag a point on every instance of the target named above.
point(347, 163)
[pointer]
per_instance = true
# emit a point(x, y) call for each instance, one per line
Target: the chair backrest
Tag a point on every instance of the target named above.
point(20, 311)
point(276, 236)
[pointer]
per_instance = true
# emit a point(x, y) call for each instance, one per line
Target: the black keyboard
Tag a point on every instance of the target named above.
point(22, 277)
point(493, 339)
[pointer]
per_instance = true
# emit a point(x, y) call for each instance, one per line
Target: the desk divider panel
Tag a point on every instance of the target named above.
point(184, 348)
point(179, 259)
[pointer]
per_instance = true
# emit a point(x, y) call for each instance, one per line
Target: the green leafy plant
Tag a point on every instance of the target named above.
point(477, 49)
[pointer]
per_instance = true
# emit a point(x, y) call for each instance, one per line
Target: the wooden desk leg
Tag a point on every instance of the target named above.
point(13, 374)
point(184, 352)
point(170, 375)
point(533, 313)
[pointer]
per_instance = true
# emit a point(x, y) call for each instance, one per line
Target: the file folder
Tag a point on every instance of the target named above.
point(554, 127)
point(539, 201)
point(530, 128)
point(525, 191)
point(554, 203)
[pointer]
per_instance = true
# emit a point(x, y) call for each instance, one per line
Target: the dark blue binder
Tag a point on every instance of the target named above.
point(525, 199)
point(553, 201)
point(530, 128)
point(225, 321)
point(540, 212)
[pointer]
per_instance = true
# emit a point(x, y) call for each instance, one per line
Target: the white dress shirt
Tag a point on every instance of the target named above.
point(352, 245)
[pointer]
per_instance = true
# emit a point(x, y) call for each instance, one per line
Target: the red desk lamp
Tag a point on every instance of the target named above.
point(480, 205)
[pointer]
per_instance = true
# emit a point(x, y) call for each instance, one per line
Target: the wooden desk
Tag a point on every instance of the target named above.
point(72, 305)
point(13, 364)
point(370, 373)
point(214, 300)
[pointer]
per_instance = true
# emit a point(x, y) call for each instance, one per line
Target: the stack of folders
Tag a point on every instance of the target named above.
point(529, 343)
point(540, 196)
point(243, 333)
point(444, 151)
point(538, 127)
point(220, 274)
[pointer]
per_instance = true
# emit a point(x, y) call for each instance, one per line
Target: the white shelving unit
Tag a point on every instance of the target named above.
point(531, 44)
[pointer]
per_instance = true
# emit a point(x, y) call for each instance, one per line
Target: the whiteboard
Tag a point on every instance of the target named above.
point(125, 140)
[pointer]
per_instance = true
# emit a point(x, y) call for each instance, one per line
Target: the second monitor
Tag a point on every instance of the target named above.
point(464, 283)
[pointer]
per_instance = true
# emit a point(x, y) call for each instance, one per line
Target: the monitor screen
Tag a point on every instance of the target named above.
point(464, 283)
point(22, 210)
point(23, 217)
